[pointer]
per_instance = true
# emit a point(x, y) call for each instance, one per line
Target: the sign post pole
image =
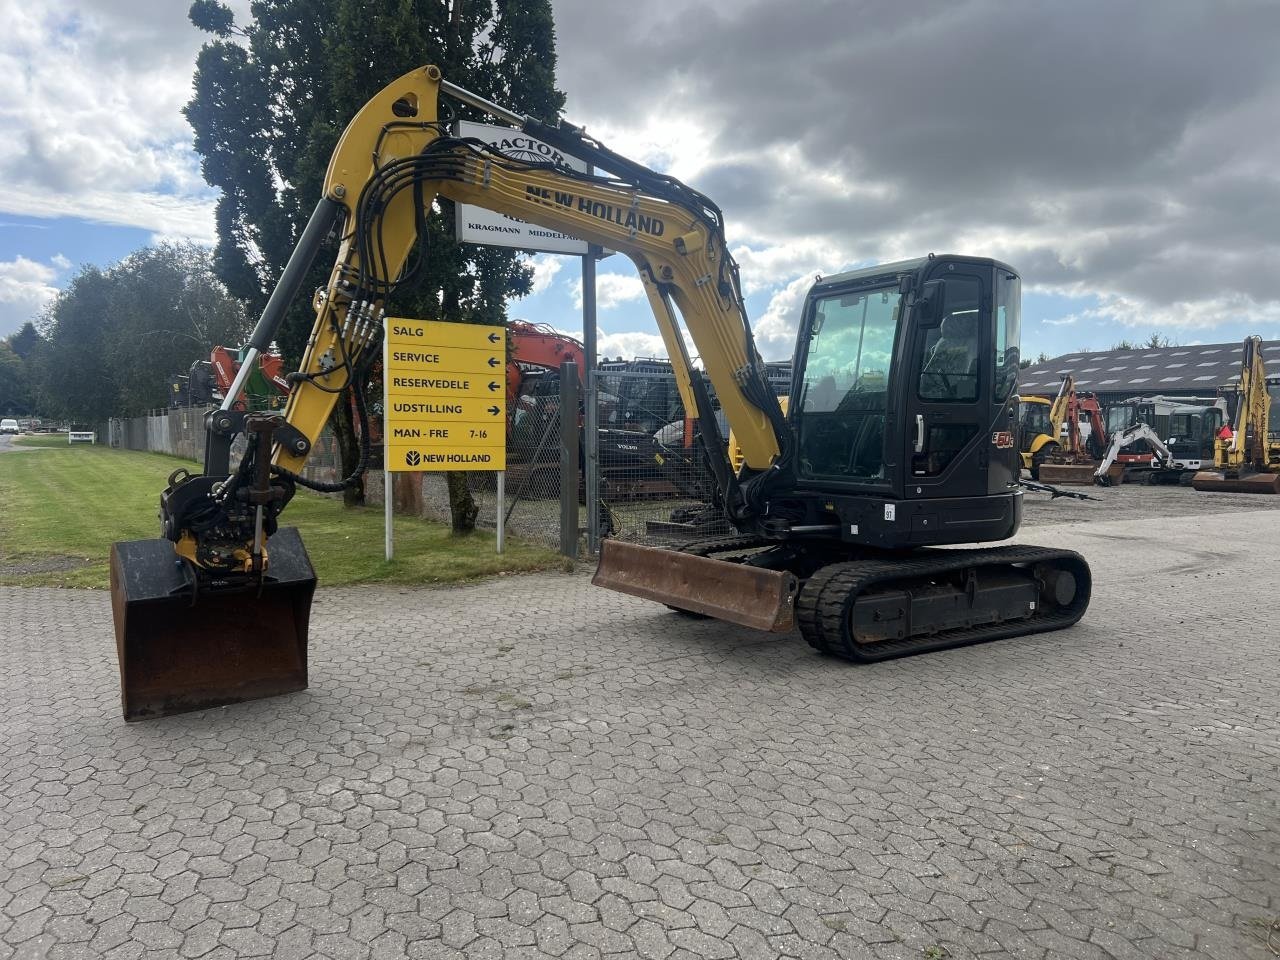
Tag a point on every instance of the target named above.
point(502, 509)
point(591, 406)
point(387, 507)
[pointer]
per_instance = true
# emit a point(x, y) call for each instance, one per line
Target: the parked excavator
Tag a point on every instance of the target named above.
point(1107, 473)
point(1245, 458)
point(899, 437)
point(1037, 432)
point(1079, 451)
point(266, 388)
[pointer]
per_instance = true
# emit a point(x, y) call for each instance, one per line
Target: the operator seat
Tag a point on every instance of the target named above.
point(951, 370)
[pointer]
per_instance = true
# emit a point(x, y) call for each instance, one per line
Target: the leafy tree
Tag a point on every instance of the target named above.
point(1027, 361)
point(73, 379)
point(1124, 345)
point(114, 338)
point(15, 391)
point(267, 113)
point(25, 341)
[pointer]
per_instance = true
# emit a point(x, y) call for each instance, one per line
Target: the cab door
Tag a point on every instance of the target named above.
point(948, 396)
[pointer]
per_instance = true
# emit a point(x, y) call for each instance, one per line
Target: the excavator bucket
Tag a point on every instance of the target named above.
point(750, 596)
point(181, 649)
point(1217, 481)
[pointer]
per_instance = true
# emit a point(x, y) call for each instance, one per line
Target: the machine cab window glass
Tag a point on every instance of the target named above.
point(1008, 324)
point(1034, 419)
point(951, 359)
point(846, 385)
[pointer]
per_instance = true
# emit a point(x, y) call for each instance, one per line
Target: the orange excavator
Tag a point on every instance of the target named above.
point(266, 388)
point(1077, 457)
point(537, 346)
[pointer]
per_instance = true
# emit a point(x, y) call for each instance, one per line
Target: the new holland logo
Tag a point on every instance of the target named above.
point(1002, 439)
point(413, 458)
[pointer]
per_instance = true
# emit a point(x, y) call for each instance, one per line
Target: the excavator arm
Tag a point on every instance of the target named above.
point(395, 158)
point(1131, 434)
point(674, 235)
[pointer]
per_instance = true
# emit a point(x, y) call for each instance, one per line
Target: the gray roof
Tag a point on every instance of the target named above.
point(1199, 370)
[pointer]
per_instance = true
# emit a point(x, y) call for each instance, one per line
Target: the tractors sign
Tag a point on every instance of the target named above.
point(480, 225)
point(445, 396)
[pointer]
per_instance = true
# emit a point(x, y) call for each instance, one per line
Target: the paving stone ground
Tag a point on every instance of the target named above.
point(531, 767)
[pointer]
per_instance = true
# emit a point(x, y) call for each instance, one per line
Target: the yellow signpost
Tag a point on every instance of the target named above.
point(444, 401)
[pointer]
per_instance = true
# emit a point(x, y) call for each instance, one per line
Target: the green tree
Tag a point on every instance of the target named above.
point(72, 377)
point(268, 111)
point(15, 390)
point(114, 338)
point(25, 342)
point(1124, 345)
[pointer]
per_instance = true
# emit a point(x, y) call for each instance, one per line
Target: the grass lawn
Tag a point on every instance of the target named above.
point(56, 440)
point(64, 505)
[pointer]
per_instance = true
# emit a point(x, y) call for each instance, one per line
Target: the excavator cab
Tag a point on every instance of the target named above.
point(904, 374)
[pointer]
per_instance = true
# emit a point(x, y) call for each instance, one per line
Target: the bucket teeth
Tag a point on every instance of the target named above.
point(184, 648)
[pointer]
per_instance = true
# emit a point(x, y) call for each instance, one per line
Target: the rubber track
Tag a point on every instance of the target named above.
point(825, 601)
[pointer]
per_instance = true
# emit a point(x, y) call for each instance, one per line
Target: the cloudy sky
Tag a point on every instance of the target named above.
point(1124, 156)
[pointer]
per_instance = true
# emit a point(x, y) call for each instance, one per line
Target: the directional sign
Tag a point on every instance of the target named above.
point(446, 399)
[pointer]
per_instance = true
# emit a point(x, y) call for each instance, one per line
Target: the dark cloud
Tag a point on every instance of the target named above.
point(1123, 148)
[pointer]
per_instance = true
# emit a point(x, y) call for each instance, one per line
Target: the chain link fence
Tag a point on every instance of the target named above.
point(653, 485)
point(180, 432)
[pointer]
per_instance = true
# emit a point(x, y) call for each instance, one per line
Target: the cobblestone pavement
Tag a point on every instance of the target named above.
point(531, 767)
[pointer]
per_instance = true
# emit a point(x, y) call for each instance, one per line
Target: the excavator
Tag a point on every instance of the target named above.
point(1075, 459)
point(1245, 458)
point(899, 438)
point(1039, 436)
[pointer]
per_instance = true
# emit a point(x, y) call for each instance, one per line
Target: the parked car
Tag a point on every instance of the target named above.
point(9, 426)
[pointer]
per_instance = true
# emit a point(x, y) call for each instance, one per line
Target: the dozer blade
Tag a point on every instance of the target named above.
point(1217, 482)
point(1069, 473)
point(749, 596)
point(182, 649)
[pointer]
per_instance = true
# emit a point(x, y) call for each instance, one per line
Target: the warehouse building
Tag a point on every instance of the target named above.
point(1147, 372)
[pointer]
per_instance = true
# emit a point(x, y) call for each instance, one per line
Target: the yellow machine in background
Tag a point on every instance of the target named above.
point(1038, 433)
point(1247, 461)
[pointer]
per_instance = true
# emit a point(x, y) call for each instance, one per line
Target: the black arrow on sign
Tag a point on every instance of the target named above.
point(494, 338)
point(493, 361)
point(495, 410)
point(492, 385)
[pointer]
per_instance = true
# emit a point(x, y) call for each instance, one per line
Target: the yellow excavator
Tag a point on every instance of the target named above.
point(1245, 458)
point(900, 434)
point(1038, 432)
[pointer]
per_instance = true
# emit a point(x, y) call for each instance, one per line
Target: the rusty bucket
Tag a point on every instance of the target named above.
point(181, 648)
